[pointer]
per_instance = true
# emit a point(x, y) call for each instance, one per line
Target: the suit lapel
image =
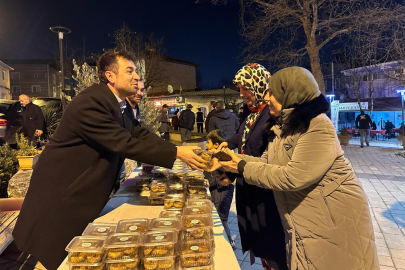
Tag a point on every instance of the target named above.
point(264, 112)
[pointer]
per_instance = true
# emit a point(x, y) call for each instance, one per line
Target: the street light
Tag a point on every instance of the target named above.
point(61, 30)
point(402, 91)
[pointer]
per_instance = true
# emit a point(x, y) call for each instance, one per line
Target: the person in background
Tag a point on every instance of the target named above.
point(221, 196)
point(374, 125)
point(363, 122)
point(175, 120)
point(389, 126)
point(259, 221)
point(210, 114)
point(163, 118)
point(224, 120)
point(186, 123)
point(240, 115)
point(133, 101)
point(200, 121)
point(32, 119)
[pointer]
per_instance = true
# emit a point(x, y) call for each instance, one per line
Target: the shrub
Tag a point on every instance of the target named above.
point(8, 167)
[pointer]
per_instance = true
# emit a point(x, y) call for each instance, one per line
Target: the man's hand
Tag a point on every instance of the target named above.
point(194, 162)
point(222, 146)
point(224, 180)
point(38, 132)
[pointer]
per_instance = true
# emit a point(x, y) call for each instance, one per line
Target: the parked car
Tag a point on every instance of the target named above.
point(10, 120)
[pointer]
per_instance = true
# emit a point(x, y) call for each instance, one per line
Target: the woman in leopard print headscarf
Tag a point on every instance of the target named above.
point(258, 219)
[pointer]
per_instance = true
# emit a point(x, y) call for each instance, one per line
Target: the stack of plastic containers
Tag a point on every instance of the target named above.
point(159, 250)
point(123, 251)
point(86, 252)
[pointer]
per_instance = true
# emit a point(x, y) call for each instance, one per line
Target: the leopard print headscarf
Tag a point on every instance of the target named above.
point(254, 77)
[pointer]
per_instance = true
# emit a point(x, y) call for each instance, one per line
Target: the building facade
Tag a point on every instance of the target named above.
point(5, 90)
point(35, 78)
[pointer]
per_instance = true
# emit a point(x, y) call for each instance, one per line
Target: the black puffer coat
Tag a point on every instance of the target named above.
point(226, 121)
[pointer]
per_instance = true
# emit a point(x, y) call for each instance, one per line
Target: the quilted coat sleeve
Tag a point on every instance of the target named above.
point(313, 155)
point(247, 158)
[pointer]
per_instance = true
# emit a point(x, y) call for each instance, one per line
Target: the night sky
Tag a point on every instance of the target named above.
point(201, 33)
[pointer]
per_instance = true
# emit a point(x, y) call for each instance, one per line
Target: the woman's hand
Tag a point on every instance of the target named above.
point(230, 166)
point(224, 180)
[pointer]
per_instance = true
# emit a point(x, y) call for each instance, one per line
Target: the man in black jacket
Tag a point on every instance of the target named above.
point(77, 170)
point(200, 121)
point(364, 126)
point(186, 123)
point(32, 119)
point(210, 114)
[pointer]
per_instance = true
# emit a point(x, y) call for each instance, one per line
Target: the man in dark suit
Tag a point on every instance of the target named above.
point(77, 170)
point(32, 119)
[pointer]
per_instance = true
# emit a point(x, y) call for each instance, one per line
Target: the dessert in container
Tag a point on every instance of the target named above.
point(197, 210)
point(174, 201)
point(122, 246)
point(86, 250)
point(196, 253)
point(159, 243)
point(137, 225)
point(160, 263)
point(100, 229)
point(199, 202)
point(171, 213)
point(158, 224)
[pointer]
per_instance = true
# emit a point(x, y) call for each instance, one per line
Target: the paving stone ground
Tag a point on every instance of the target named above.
point(382, 175)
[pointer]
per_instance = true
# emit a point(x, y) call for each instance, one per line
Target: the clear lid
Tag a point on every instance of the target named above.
point(86, 244)
point(196, 246)
point(158, 186)
point(197, 210)
point(203, 233)
point(156, 238)
point(204, 154)
point(197, 189)
point(165, 223)
point(133, 225)
point(167, 263)
point(208, 267)
point(171, 214)
point(174, 202)
point(197, 221)
point(198, 196)
point(100, 229)
point(143, 179)
point(176, 186)
point(195, 176)
point(157, 195)
point(125, 264)
point(123, 240)
point(199, 202)
point(158, 171)
point(86, 266)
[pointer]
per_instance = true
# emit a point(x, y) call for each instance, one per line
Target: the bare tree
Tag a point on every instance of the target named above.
point(285, 32)
point(149, 54)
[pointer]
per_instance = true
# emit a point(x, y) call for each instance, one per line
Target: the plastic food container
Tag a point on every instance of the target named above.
point(156, 263)
point(147, 168)
point(133, 225)
point(198, 196)
point(157, 224)
point(159, 243)
point(160, 172)
point(197, 221)
point(171, 214)
point(143, 179)
point(196, 253)
point(86, 266)
point(204, 154)
point(144, 187)
point(197, 210)
point(177, 175)
point(86, 249)
point(174, 202)
point(208, 267)
point(130, 264)
point(157, 186)
point(191, 234)
point(199, 202)
point(122, 246)
point(197, 189)
point(194, 177)
point(157, 195)
point(100, 229)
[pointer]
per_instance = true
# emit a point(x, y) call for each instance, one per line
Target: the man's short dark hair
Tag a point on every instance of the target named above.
point(216, 136)
point(213, 103)
point(109, 62)
point(362, 112)
point(199, 109)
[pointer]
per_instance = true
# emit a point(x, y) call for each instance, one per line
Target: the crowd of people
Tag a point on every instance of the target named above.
point(299, 203)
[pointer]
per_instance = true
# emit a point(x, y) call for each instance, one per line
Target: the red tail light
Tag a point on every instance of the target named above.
point(3, 122)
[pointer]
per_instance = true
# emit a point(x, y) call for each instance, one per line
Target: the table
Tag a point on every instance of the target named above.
point(397, 130)
point(129, 204)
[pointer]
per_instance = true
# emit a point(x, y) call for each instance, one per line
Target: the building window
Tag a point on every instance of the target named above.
point(16, 89)
point(36, 88)
point(36, 75)
point(4, 75)
point(15, 75)
point(54, 78)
